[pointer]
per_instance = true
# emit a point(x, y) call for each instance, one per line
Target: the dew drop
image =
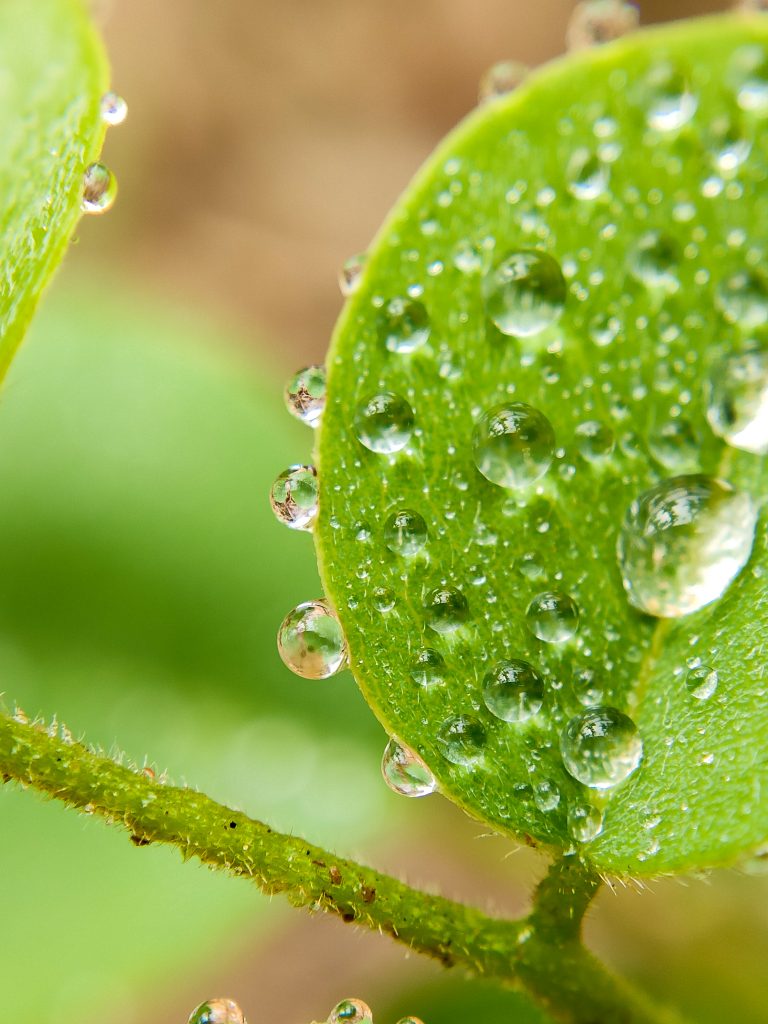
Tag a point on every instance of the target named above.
point(351, 274)
point(462, 740)
point(737, 407)
point(513, 445)
point(750, 74)
point(305, 395)
point(294, 497)
point(546, 796)
point(731, 148)
point(587, 176)
point(99, 189)
point(501, 79)
point(428, 668)
point(405, 773)
point(604, 329)
point(683, 542)
point(405, 532)
point(350, 1011)
point(403, 325)
point(701, 682)
point(601, 747)
point(384, 599)
point(384, 423)
point(743, 299)
point(446, 609)
point(525, 293)
point(671, 104)
point(113, 109)
point(595, 440)
point(585, 822)
point(594, 22)
point(586, 687)
point(655, 260)
point(217, 1011)
point(311, 642)
point(513, 691)
point(553, 617)
point(675, 446)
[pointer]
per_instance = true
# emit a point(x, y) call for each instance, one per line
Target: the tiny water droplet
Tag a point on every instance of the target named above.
point(594, 22)
point(502, 78)
point(428, 668)
point(604, 329)
point(405, 773)
point(113, 109)
point(737, 407)
point(525, 293)
point(743, 299)
point(99, 189)
point(683, 542)
point(462, 740)
point(513, 691)
point(585, 822)
point(311, 642)
point(671, 104)
point(595, 440)
point(305, 395)
point(405, 532)
point(350, 1011)
point(586, 687)
point(732, 148)
point(294, 497)
point(701, 682)
point(546, 796)
point(217, 1011)
point(351, 274)
point(513, 445)
point(587, 176)
point(384, 423)
point(601, 747)
point(655, 260)
point(404, 325)
point(675, 445)
point(446, 609)
point(553, 617)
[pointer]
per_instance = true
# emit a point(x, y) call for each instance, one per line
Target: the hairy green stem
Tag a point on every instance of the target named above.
point(541, 954)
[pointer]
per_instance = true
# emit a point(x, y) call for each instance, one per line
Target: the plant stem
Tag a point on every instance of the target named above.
point(541, 954)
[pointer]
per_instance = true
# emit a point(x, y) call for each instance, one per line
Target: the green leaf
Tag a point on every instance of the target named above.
point(639, 168)
point(52, 75)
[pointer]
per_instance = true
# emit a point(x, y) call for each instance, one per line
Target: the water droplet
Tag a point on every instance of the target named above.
point(601, 747)
point(513, 691)
point(217, 1011)
point(585, 822)
point(671, 104)
point(603, 329)
point(384, 599)
point(587, 687)
point(743, 299)
point(701, 682)
point(587, 176)
point(305, 395)
point(405, 773)
point(675, 446)
point(595, 441)
point(655, 260)
point(350, 1011)
point(428, 668)
point(403, 325)
point(683, 542)
point(405, 532)
point(113, 109)
point(513, 445)
point(384, 423)
point(737, 408)
point(446, 609)
point(294, 497)
point(467, 258)
point(501, 79)
point(731, 148)
point(525, 293)
point(99, 189)
point(311, 642)
point(462, 740)
point(553, 617)
point(351, 274)
point(546, 796)
point(594, 22)
point(749, 72)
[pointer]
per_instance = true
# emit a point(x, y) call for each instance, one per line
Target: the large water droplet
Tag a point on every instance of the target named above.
point(462, 740)
point(701, 682)
point(294, 497)
point(525, 293)
point(305, 395)
point(501, 79)
point(405, 532)
point(446, 609)
point(513, 691)
point(405, 773)
point(670, 102)
point(655, 260)
point(113, 109)
point(384, 423)
point(743, 299)
point(737, 407)
point(682, 542)
point(587, 176)
point(351, 274)
point(350, 1011)
point(585, 822)
point(513, 445)
point(553, 617)
point(428, 668)
point(311, 642)
point(99, 189)
point(403, 325)
point(217, 1011)
point(601, 747)
point(594, 22)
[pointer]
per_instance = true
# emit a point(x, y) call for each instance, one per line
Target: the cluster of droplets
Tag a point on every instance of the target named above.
point(99, 183)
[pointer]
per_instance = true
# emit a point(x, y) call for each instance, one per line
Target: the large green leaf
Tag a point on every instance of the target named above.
point(52, 75)
point(640, 168)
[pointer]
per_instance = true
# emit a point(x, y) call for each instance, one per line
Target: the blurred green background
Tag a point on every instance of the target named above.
point(143, 576)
